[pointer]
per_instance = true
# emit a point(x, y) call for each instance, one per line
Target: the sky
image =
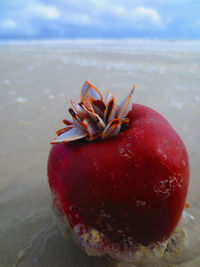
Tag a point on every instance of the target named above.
point(49, 19)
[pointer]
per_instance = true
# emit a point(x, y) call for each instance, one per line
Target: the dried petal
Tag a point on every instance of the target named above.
point(89, 90)
point(79, 110)
point(108, 114)
point(125, 106)
point(92, 131)
point(95, 118)
point(66, 122)
point(73, 134)
point(88, 106)
point(77, 120)
point(63, 130)
point(112, 129)
point(125, 123)
point(108, 97)
point(99, 107)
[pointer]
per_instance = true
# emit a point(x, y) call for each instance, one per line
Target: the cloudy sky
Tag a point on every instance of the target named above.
point(165, 19)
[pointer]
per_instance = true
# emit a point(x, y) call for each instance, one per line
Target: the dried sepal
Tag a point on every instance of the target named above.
point(94, 118)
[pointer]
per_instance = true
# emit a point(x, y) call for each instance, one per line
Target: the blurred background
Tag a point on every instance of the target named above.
point(47, 50)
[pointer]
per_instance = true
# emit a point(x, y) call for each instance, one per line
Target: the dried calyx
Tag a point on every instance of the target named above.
point(94, 118)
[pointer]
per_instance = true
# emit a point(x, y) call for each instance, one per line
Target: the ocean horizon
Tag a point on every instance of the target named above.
point(152, 45)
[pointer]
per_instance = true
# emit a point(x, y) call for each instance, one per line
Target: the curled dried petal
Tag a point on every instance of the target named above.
point(89, 90)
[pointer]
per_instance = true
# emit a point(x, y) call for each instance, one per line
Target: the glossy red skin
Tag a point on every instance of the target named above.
point(132, 185)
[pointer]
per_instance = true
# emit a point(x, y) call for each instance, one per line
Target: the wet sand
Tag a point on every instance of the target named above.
point(36, 84)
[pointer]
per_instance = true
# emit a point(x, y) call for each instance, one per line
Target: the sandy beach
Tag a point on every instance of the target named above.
point(36, 84)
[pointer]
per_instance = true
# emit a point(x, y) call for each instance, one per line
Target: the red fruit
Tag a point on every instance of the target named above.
point(132, 185)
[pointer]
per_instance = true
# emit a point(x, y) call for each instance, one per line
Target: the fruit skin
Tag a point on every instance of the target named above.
point(131, 185)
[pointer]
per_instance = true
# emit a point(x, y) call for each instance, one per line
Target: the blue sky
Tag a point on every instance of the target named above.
point(36, 19)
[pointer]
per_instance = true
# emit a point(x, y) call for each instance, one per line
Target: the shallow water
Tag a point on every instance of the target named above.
point(36, 83)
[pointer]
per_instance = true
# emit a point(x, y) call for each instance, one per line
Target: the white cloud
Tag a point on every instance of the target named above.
point(124, 13)
point(34, 9)
point(137, 18)
point(45, 11)
point(80, 19)
point(28, 18)
point(149, 14)
point(8, 24)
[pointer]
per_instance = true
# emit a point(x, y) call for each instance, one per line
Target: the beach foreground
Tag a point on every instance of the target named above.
point(36, 85)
